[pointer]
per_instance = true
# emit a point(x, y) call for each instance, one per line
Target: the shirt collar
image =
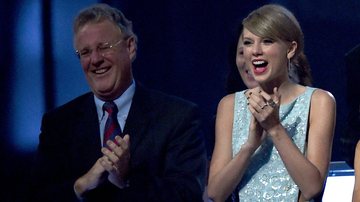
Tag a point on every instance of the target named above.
point(123, 102)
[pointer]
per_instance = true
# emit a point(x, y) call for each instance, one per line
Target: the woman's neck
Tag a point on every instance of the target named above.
point(287, 90)
point(282, 86)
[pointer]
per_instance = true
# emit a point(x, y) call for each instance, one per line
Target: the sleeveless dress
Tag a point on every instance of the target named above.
point(266, 178)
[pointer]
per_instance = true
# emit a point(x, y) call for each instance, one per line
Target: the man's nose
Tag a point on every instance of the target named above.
point(96, 56)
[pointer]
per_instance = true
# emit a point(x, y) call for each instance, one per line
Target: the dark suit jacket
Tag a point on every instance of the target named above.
point(351, 133)
point(167, 151)
point(352, 62)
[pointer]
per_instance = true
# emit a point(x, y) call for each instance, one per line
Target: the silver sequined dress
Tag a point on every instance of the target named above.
point(266, 178)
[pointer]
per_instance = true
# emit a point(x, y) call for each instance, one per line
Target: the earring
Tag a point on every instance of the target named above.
point(293, 72)
point(289, 65)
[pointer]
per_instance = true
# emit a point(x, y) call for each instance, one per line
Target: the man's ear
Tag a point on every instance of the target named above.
point(132, 47)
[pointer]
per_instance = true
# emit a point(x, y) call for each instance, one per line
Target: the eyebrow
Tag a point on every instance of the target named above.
point(99, 44)
point(246, 38)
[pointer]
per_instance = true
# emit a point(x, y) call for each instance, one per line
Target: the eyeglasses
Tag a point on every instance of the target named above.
point(102, 49)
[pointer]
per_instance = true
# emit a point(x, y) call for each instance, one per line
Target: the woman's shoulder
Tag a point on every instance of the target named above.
point(227, 101)
point(322, 97)
point(323, 105)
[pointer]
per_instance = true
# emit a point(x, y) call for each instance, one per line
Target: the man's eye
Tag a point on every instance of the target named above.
point(85, 52)
point(104, 47)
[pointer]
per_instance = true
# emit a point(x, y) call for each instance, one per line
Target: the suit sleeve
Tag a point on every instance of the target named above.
point(181, 173)
point(50, 177)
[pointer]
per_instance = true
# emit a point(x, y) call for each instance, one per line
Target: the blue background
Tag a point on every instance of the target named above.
point(183, 50)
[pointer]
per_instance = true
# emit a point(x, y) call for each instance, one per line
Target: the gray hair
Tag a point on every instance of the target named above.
point(101, 12)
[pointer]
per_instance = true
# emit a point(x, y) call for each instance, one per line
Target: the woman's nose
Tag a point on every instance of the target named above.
point(257, 49)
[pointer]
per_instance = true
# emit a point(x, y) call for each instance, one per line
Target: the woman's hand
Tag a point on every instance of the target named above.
point(256, 135)
point(264, 107)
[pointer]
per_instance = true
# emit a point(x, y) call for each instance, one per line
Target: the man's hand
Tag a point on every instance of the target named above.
point(90, 180)
point(116, 160)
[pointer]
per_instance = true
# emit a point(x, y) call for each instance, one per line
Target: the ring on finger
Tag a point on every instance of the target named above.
point(271, 103)
point(266, 104)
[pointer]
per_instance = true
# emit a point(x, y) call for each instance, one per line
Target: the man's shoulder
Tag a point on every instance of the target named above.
point(165, 100)
point(75, 104)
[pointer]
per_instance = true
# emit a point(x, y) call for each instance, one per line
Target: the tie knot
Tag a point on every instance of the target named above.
point(110, 107)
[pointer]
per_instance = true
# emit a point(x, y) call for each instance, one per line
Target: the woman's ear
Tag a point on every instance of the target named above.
point(292, 49)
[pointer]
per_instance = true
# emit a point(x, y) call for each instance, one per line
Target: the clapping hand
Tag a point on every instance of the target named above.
point(116, 160)
point(264, 107)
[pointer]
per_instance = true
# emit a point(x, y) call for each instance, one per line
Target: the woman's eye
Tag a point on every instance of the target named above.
point(240, 51)
point(268, 41)
point(246, 43)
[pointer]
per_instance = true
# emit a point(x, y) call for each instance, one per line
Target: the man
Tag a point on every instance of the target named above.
point(158, 156)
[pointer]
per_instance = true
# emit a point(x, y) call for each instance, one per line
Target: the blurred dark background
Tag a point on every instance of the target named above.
point(183, 50)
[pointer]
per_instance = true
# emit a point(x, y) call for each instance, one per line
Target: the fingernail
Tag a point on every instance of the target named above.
point(110, 143)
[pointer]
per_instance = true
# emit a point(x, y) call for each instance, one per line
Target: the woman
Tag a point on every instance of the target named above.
point(244, 71)
point(270, 145)
point(356, 192)
point(239, 76)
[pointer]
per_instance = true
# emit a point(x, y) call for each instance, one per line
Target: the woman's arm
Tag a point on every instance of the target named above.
point(226, 171)
point(309, 172)
point(356, 193)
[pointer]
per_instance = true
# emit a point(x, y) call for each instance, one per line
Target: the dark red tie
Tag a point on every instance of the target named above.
point(112, 127)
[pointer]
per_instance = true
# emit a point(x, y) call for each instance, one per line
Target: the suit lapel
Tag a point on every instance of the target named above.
point(87, 130)
point(139, 116)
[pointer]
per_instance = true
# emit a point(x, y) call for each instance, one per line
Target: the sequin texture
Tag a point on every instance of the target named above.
point(266, 178)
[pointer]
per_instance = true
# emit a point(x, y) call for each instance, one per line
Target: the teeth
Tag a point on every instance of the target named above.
point(258, 62)
point(100, 71)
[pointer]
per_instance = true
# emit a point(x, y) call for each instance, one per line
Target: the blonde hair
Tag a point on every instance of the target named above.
point(278, 23)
